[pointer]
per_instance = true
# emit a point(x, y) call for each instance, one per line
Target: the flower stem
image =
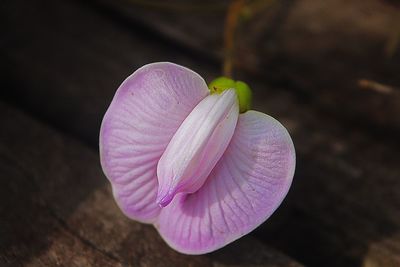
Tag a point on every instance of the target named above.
point(231, 23)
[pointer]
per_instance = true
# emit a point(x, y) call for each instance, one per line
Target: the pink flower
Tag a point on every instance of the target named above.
point(185, 160)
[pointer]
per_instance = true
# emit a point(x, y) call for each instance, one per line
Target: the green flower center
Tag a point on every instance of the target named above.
point(243, 91)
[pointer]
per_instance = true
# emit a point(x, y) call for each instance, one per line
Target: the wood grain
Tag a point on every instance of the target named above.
point(317, 49)
point(58, 210)
point(343, 208)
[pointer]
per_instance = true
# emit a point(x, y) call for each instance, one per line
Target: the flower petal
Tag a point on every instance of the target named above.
point(146, 111)
point(244, 189)
point(197, 146)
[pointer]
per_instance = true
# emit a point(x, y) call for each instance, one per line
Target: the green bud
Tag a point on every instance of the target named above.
point(243, 91)
point(244, 94)
point(221, 84)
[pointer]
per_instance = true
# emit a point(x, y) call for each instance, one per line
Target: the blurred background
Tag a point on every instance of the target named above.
point(328, 70)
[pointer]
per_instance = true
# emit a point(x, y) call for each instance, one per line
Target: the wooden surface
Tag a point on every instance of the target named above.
point(58, 210)
point(63, 66)
point(318, 49)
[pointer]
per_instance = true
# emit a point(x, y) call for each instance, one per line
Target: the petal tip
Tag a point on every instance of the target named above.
point(164, 200)
point(165, 195)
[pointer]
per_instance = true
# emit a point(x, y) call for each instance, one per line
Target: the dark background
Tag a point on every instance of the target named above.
point(328, 70)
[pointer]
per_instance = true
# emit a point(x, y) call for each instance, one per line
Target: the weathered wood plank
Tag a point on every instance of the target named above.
point(343, 209)
point(58, 210)
point(75, 52)
point(344, 206)
point(320, 49)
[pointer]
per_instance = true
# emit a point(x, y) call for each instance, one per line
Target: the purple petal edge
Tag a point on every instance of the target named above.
point(145, 112)
point(245, 188)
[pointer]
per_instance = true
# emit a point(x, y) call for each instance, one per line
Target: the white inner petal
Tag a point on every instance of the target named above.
point(197, 146)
